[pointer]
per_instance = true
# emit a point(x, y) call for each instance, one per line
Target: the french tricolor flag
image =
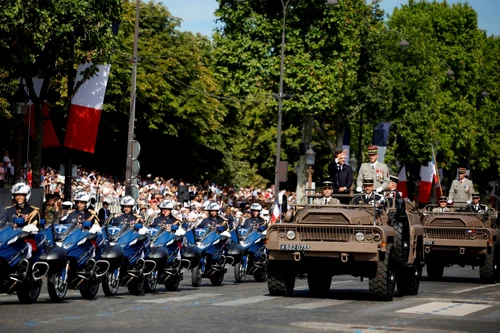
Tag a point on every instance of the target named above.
point(402, 185)
point(428, 176)
point(380, 139)
point(85, 110)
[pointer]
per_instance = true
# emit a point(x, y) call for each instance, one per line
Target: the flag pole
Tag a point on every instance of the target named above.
point(437, 170)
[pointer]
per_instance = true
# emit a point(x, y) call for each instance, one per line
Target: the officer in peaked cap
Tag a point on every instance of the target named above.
point(391, 190)
point(327, 190)
point(374, 170)
point(475, 206)
point(368, 196)
point(442, 206)
point(461, 190)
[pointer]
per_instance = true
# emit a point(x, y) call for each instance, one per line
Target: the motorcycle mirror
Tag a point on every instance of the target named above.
point(138, 226)
point(262, 228)
point(19, 221)
point(185, 225)
point(175, 227)
point(87, 224)
point(220, 228)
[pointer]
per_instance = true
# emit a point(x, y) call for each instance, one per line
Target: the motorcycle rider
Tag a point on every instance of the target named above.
point(81, 213)
point(127, 216)
point(255, 220)
point(165, 218)
point(213, 219)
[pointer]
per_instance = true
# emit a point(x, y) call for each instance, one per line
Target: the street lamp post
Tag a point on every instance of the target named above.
point(310, 158)
point(285, 4)
point(21, 99)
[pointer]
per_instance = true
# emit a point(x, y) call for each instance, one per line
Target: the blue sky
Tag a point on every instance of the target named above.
point(198, 15)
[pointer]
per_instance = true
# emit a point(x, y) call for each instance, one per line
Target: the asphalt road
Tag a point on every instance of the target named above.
point(458, 303)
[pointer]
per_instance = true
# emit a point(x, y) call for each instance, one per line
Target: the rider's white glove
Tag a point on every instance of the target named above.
point(225, 233)
point(143, 231)
point(380, 189)
point(31, 228)
point(358, 189)
point(180, 232)
point(95, 229)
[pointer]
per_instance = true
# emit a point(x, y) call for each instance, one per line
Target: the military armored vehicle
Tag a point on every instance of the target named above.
point(464, 239)
point(382, 244)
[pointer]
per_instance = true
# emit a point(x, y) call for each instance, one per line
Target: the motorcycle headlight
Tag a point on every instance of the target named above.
point(13, 240)
point(290, 234)
point(112, 243)
point(60, 244)
point(82, 241)
point(132, 242)
point(217, 241)
point(170, 243)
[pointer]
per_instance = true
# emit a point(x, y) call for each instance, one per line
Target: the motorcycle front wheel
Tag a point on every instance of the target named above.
point(110, 284)
point(196, 276)
point(56, 287)
point(89, 290)
point(151, 282)
point(29, 291)
point(240, 273)
point(136, 286)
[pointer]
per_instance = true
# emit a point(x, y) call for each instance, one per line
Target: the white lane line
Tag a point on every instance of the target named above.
point(333, 283)
point(475, 288)
point(178, 299)
point(244, 301)
point(446, 309)
point(315, 305)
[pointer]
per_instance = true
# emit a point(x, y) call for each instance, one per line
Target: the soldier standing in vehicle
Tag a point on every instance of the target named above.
point(368, 196)
point(442, 206)
point(461, 190)
point(327, 199)
point(374, 170)
point(475, 206)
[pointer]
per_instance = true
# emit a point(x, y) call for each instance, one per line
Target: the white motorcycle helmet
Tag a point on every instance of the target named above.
point(256, 206)
point(127, 201)
point(82, 196)
point(21, 188)
point(167, 204)
point(213, 206)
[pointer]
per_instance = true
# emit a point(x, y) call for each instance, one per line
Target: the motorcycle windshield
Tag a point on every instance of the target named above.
point(163, 238)
point(7, 232)
point(62, 231)
point(201, 233)
point(243, 233)
point(115, 229)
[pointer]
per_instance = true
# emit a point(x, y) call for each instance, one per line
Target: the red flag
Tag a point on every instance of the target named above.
point(85, 110)
point(81, 132)
point(402, 185)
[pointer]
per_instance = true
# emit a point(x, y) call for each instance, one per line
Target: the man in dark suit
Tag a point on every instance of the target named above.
point(104, 212)
point(341, 174)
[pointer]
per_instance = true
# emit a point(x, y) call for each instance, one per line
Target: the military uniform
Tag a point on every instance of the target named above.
point(213, 221)
point(163, 220)
point(377, 171)
point(129, 219)
point(442, 209)
point(327, 199)
point(461, 191)
point(371, 198)
point(476, 207)
point(81, 216)
point(30, 214)
point(252, 222)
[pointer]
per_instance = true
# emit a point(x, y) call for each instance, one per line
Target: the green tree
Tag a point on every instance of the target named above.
point(49, 39)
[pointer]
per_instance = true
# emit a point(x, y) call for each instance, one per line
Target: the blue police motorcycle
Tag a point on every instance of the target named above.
point(18, 273)
point(134, 269)
point(212, 246)
point(83, 268)
point(171, 258)
point(254, 258)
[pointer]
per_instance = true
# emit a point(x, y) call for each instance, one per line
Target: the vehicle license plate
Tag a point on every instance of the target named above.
point(428, 242)
point(295, 247)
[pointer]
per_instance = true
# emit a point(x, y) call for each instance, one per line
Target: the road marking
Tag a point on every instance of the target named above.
point(178, 299)
point(244, 301)
point(315, 305)
point(446, 309)
point(471, 289)
point(335, 327)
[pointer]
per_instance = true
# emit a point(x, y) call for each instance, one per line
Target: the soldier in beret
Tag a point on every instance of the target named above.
point(327, 199)
point(461, 190)
point(375, 170)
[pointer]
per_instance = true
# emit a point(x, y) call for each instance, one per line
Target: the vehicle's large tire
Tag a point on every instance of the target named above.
point(489, 269)
point(89, 290)
point(319, 283)
point(57, 290)
point(28, 292)
point(151, 280)
point(435, 270)
point(240, 273)
point(136, 286)
point(196, 276)
point(383, 284)
point(110, 286)
point(401, 245)
point(497, 262)
point(280, 282)
point(260, 275)
point(172, 283)
point(217, 278)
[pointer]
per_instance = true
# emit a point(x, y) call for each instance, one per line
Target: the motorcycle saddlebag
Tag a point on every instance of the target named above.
point(193, 254)
point(114, 255)
point(235, 251)
point(56, 257)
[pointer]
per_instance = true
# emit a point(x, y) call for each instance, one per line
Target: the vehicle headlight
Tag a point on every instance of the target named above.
point(368, 237)
point(132, 242)
point(60, 244)
point(81, 241)
point(290, 234)
point(217, 241)
point(112, 243)
point(68, 245)
point(360, 236)
point(171, 242)
point(13, 240)
point(377, 237)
